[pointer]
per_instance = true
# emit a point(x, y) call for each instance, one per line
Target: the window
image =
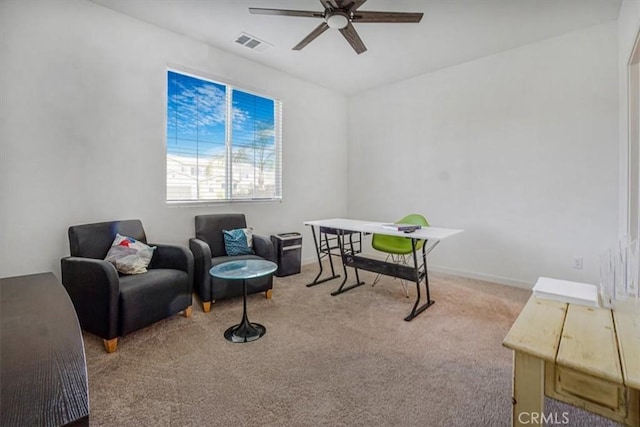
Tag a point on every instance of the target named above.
point(223, 143)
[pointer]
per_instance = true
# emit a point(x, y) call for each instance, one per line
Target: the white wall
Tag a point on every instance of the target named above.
point(83, 93)
point(628, 27)
point(519, 149)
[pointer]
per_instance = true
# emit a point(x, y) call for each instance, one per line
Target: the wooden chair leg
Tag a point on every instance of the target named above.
point(268, 293)
point(110, 345)
point(187, 312)
point(206, 306)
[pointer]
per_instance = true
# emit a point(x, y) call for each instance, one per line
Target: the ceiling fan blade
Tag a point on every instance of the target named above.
point(356, 4)
point(329, 4)
point(350, 33)
point(399, 17)
point(285, 12)
point(312, 36)
point(350, 5)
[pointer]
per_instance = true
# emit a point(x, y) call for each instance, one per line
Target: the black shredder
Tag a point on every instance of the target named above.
point(288, 248)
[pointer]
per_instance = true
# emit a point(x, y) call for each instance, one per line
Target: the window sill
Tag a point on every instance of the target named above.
point(200, 203)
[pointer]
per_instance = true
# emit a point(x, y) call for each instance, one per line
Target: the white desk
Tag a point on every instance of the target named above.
point(342, 227)
point(371, 227)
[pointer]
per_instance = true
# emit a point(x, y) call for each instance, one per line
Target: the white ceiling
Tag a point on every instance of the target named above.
point(451, 32)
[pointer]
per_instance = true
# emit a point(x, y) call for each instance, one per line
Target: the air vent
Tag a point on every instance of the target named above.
point(252, 42)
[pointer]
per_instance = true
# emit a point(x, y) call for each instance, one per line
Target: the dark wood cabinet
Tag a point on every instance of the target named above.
point(43, 372)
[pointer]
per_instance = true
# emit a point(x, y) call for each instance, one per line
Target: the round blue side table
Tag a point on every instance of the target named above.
point(244, 331)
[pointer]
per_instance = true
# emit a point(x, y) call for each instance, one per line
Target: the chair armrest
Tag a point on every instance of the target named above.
point(264, 247)
point(201, 266)
point(94, 288)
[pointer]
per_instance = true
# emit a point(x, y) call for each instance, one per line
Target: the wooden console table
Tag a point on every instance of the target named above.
point(42, 362)
point(587, 357)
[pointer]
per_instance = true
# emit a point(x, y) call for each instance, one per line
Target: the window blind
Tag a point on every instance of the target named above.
point(223, 143)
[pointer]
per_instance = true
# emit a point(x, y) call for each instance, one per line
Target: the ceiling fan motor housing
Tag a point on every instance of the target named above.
point(337, 19)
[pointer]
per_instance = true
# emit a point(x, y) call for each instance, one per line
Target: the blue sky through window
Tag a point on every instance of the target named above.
point(196, 117)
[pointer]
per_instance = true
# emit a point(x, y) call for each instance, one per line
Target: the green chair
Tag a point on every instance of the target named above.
point(397, 248)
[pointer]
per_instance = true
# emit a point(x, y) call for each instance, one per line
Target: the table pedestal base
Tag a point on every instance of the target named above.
point(245, 332)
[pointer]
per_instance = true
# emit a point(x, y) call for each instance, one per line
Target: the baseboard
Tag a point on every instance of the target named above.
point(308, 261)
point(481, 276)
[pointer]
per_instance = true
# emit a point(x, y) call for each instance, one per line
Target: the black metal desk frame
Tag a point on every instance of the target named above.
point(416, 273)
point(328, 239)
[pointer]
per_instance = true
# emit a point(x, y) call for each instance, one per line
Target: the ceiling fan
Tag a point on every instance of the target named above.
point(340, 14)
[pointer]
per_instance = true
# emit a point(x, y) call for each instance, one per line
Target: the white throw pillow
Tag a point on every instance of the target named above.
point(129, 256)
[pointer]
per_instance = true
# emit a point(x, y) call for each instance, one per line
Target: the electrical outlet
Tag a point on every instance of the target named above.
point(577, 263)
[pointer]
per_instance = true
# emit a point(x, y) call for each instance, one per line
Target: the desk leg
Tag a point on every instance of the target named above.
point(633, 417)
point(343, 253)
point(319, 254)
point(528, 390)
point(417, 309)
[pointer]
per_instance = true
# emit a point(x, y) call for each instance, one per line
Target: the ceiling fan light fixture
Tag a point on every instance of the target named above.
point(337, 20)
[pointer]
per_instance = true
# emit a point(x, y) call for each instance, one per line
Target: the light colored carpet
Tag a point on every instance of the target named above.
point(348, 360)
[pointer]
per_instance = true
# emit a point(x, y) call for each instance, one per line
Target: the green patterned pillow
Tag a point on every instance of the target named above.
point(238, 241)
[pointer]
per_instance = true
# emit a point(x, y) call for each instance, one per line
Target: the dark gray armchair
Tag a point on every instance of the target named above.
point(110, 304)
point(208, 251)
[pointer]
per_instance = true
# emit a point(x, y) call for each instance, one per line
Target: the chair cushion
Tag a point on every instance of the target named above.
point(152, 296)
point(129, 256)
point(238, 241)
